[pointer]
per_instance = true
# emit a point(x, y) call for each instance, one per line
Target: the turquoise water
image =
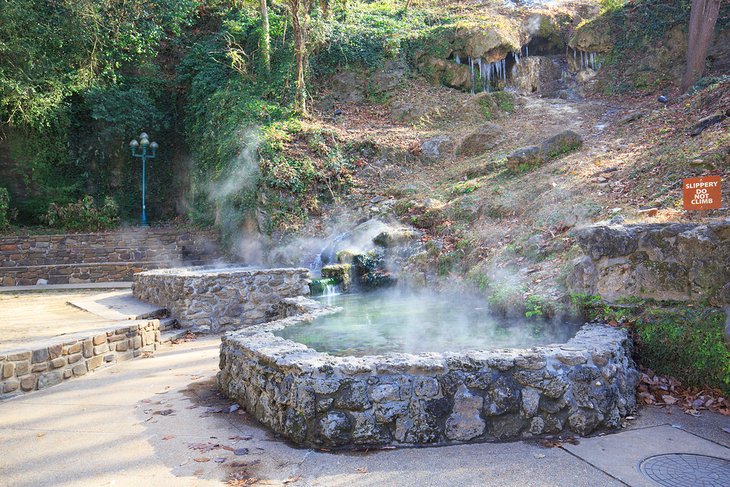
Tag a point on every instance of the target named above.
point(376, 323)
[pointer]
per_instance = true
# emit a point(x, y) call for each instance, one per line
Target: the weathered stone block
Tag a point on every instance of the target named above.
point(50, 379)
point(55, 351)
point(88, 348)
point(39, 367)
point(20, 356)
point(94, 362)
point(22, 368)
point(465, 422)
point(79, 370)
point(10, 385)
point(100, 349)
point(58, 362)
point(99, 339)
point(8, 370)
point(28, 382)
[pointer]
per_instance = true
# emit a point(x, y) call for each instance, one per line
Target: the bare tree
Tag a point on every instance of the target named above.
point(701, 27)
point(299, 13)
point(265, 36)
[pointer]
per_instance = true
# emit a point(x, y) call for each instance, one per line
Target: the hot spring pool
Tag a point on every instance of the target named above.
point(390, 321)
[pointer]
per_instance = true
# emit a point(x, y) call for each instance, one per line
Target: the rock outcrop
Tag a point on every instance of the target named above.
point(662, 261)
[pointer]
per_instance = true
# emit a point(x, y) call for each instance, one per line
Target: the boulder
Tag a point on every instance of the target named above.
point(525, 157)
point(436, 147)
point(487, 137)
point(561, 144)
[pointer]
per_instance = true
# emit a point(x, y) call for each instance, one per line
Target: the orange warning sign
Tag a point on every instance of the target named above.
point(702, 193)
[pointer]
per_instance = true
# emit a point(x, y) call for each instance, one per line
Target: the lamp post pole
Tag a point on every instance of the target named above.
point(143, 145)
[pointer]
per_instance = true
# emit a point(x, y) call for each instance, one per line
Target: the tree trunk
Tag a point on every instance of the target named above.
point(701, 27)
point(265, 38)
point(298, 28)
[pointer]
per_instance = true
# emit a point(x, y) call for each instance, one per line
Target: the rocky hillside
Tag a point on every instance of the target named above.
point(497, 173)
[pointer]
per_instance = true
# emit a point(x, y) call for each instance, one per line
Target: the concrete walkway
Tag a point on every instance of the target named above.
point(159, 421)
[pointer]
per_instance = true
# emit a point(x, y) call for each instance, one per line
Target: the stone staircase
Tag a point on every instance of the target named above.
point(102, 257)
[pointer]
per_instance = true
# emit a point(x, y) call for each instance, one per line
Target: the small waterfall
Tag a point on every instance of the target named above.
point(331, 290)
point(327, 254)
point(471, 68)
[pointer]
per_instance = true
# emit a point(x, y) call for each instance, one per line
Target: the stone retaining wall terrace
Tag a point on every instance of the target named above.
point(318, 400)
point(23, 371)
point(101, 257)
point(663, 261)
point(220, 299)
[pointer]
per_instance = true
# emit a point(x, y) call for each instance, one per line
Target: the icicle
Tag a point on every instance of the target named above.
point(527, 51)
point(471, 69)
point(457, 58)
point(574, 53)
point(504, 69)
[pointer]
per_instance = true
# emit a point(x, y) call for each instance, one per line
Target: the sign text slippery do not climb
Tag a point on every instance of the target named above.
point(703, 193)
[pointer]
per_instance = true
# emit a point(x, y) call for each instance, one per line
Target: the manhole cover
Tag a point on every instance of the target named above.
point(687, 470)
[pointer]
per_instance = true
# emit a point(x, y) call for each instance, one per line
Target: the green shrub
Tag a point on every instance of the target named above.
point(84, 216)
point(687, 343)
point(4, 209)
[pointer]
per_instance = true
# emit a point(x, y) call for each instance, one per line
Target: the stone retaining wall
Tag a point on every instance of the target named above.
point(220, 299)
point(664, 261)
point(24, 371)
point(319, 400)
point(100, 257)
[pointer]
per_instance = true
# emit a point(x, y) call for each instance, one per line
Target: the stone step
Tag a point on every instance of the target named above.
point(118, 306)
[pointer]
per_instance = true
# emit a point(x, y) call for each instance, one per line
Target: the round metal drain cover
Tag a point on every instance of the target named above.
point(687, 470)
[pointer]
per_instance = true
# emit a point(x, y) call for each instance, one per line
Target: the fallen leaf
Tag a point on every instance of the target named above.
point(291, 480)
point(164, 412)
point(240, 438)
point(201, 459)
point(539, 455)
point(240, 451)
point(219, 460)
point(168, 437)
point(361, 469)
point(669, 399)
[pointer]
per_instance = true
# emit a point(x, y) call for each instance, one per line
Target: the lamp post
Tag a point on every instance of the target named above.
point(143, 145)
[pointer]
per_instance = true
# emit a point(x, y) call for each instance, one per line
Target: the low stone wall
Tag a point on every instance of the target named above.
point(666, 261)
point(318, 400)
point(220, 299)
point(23, 371)
point(101, 257)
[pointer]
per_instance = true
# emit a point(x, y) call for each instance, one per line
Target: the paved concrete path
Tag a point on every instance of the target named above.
point(160, 421)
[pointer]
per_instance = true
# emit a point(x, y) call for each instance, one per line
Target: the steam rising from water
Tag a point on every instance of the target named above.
point(399, 321)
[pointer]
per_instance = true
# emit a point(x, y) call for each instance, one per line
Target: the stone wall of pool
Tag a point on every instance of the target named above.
point(218, 299)
point(319, 400)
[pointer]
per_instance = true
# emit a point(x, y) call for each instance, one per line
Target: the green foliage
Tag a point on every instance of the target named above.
point(608, 6)
point(685, 342)
point(688, 344)
point(534, 306)
point(52, 50)
point(366, 35)
point(4, 209)
point(464, 187)
point(84, 216)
